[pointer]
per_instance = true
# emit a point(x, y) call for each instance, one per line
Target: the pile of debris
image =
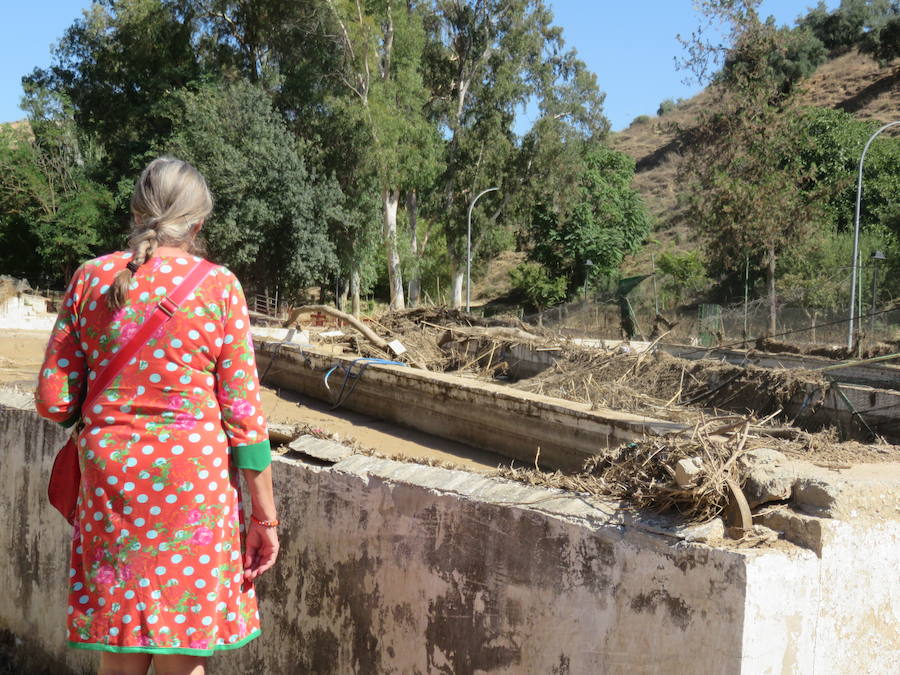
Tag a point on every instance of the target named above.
point(723, 464)
point(666, 387)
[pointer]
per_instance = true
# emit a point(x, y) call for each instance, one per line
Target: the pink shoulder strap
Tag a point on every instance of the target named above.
point(163, 312)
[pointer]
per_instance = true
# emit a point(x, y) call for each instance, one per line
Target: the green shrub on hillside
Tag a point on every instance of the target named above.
point(668, 105)
point(684, 274)
point(535, 285)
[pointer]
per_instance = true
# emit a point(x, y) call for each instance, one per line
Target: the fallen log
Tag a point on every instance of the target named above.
point(368, 333)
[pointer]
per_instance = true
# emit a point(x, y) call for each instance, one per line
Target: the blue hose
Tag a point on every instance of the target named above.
point(365, 362)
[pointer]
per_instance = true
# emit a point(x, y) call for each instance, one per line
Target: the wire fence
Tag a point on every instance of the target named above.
point(713, 324)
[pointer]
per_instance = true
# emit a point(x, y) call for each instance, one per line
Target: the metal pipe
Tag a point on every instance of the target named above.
point(856, 232)
point(469, 249)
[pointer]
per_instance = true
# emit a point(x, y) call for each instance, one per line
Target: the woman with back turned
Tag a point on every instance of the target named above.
point(157, 572)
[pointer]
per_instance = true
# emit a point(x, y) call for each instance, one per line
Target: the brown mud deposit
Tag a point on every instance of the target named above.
point(21, 355)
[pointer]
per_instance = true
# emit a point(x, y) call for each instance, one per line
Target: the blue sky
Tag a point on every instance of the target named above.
point(631, 46)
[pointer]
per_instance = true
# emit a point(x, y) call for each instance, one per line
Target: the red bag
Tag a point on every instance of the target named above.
point(65, 481)
point(65, 477)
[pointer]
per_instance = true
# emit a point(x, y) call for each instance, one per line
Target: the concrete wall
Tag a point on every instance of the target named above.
point(390, 567)
point(26, 312)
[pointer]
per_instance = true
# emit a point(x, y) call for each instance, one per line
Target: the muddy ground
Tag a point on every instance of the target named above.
point(21, 354)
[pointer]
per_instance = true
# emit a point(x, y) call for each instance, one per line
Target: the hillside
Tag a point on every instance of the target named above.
point(850, 82)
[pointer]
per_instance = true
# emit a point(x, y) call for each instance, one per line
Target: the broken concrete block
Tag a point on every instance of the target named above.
point(321, 449)
point(687, 472)
point(769, 476)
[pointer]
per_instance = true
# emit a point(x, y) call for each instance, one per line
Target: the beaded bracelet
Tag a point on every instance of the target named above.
point(270, 524)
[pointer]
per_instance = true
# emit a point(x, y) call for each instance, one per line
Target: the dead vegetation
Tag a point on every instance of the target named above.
point(696, 394)
point(670, 388)
point(642, 473)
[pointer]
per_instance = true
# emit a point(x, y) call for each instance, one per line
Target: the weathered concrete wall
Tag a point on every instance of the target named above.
point(390, 567)
point(26, 312)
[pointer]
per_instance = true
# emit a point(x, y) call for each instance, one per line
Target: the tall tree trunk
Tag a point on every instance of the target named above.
point(390, 200)
point(342, 298)
point(354, 290)
point(770, 286)
point(459, 276)
point(415, 280)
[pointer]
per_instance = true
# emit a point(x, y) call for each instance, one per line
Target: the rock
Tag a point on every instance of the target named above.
point(769, 476)
point(817, 496)
point(705, 533)
point(687, 471)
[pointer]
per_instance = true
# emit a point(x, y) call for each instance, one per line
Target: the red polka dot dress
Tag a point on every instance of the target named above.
point(156, 553)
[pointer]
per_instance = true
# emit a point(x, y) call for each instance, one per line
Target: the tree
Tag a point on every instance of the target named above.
point(532, 281)
point(603, 221)
point(486, 59)
point(272, 214)
point(849, 24)
point(381, 48)
point(685, 273)
point(883, 43)
point(116, 66)
point(52, 214)
point(742, 183)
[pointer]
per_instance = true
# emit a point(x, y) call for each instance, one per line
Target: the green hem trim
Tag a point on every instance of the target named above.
point(98, 647)
point(71, 421)
point(256, 457)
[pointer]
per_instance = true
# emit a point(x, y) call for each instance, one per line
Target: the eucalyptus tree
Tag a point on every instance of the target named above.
point(381, 46)
point(486, 60)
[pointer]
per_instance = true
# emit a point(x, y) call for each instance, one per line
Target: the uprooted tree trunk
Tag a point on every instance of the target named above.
point(369, 334)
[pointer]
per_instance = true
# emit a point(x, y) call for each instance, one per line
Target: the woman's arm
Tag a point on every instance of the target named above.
point(237, 385)
point(262, 542)
point(63, 374)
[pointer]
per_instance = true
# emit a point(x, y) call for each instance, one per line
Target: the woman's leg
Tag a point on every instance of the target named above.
point(124, 664)
point(179, 664)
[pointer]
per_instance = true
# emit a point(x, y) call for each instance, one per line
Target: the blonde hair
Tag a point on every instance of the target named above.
point(170, 199)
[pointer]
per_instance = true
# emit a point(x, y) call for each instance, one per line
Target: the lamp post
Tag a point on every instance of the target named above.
point(853, 276)
point(589, 265)
point(877, 256)
point(469, 248)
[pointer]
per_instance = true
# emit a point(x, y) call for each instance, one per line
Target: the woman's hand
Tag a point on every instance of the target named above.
point(261, 546)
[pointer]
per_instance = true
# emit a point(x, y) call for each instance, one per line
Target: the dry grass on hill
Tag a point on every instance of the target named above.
point(850, 82)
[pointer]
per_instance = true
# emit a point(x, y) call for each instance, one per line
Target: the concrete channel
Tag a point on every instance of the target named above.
point(515, 424)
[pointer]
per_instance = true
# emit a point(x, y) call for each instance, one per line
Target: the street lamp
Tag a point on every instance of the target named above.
point(469, 249)
point(856, 233)
point(877, 256)
point(589, 265)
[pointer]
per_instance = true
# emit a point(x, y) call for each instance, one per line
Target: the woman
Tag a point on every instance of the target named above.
point(157, 574)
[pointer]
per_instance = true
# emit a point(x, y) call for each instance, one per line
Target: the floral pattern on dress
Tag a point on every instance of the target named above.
point(156, 552)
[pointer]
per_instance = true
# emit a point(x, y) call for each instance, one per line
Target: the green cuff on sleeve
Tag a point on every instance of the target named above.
point(72, 420)
point(256, 457)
